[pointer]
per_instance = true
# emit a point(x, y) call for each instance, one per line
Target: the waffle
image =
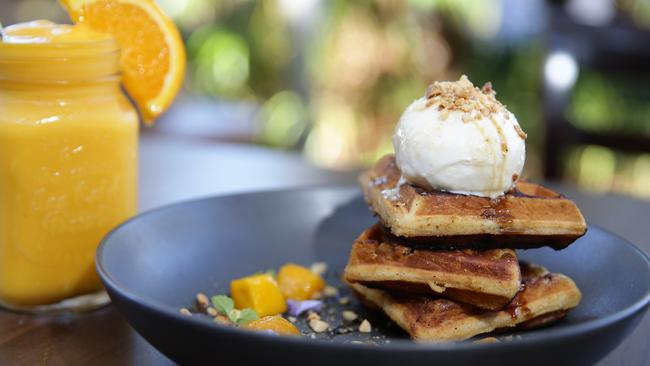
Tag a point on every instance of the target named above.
point(545, 298)
point(488, 279)
point(530, 216)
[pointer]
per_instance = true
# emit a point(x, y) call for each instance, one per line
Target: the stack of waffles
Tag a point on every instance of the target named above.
point(444, 267)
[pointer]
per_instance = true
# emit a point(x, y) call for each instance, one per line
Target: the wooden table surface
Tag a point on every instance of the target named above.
point(173, 170)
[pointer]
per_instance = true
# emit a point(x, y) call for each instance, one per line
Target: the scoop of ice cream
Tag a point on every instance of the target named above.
point(460, 139)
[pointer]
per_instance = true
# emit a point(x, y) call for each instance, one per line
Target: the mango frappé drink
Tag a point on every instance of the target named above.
point(68, 159)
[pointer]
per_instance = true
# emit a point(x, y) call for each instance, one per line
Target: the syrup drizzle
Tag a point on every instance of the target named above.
point(500, 170)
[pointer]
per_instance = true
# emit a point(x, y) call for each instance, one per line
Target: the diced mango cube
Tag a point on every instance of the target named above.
point(299, 283)
point(276, 323)
point(259, 292)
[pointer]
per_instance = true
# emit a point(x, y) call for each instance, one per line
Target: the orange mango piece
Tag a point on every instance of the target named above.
point(259, 292)
point(276, 323)
point(299, 283)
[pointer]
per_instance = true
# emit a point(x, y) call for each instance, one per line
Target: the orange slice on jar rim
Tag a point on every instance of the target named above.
point(152, 54)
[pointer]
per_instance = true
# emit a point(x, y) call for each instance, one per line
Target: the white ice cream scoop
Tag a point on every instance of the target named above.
point(460, 139)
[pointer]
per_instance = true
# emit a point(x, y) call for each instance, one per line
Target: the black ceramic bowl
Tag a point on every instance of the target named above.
point(155, 263)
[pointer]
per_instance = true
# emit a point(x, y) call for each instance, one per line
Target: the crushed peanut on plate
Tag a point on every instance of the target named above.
point(319, 268)
point(330, 291)
point(365, 326)
point(349, 315)
point(318, 325)
point(202, 300)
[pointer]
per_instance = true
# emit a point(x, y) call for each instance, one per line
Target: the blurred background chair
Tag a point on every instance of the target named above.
point(329, 79)
point(595, 103)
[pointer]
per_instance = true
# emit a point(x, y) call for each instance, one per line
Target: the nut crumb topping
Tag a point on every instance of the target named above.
point(319, 268)
point(330, 291)
point(318, 326)
point(463, 96)
point(222, 320)
point(365, 326)
point(349, 316)
point(487, 89)
point(202, 300)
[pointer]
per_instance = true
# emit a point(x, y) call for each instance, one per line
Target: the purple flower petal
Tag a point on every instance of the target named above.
point(298, 307)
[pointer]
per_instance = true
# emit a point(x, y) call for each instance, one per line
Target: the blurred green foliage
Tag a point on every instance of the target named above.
point(515, 76)
point(610, 104)
point(332, 77)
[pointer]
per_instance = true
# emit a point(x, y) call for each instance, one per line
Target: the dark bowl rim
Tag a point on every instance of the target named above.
point(405, 345)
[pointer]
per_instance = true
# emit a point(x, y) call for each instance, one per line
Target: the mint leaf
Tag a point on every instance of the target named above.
point(246, 316)
point(223, 304)
point(233, 315)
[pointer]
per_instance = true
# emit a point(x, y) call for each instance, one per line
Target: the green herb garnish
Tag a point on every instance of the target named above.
point(226, 306)
point(246, 316)
point(223, 303)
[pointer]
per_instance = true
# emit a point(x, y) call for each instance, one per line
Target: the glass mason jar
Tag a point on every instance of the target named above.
point(68, 168)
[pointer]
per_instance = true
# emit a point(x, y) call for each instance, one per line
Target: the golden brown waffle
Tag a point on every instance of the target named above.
point(545, 298)
point(530, 216)
point(488, 278)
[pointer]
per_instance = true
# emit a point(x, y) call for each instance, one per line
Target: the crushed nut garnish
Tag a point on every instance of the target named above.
point(318, 325)
point(365, 326)
point(349, 315)
point(463, 96)
point(487, 89)
point(344, 300)
point(202, 300)
point(330, 291)
point(212, 312)
point(311, 315)
point(319, 268)
point(292, 319)
point(222, 319)
point(185, 311)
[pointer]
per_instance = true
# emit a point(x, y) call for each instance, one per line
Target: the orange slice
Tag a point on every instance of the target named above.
point(152, 52)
